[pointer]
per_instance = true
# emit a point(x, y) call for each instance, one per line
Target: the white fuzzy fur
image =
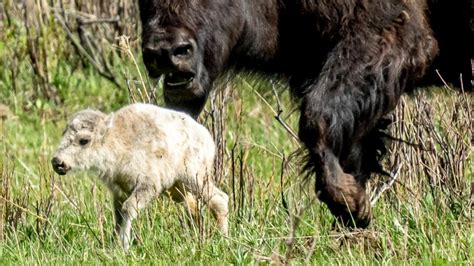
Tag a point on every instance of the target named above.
point(140, 151)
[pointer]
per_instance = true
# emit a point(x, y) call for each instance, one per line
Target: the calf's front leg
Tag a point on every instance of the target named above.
point(141, 195)
point(118, 202)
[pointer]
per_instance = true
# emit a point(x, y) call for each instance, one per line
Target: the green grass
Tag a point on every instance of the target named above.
point(79, 222)
point(51, 219)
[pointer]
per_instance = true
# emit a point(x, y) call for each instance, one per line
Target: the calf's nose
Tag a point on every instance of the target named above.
point(59, 166)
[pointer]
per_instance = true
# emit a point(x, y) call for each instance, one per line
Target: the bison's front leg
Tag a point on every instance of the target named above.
point(142, 194)
point(340, 112)
point(342, 192)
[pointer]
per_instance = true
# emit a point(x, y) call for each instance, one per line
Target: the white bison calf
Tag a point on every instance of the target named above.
point(140, 151)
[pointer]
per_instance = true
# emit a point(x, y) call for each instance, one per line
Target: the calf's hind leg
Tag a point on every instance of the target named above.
point(181, 195)
point(216, 199)
point(219, 205)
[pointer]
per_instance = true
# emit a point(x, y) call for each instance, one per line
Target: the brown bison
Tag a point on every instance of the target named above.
point(347, 63)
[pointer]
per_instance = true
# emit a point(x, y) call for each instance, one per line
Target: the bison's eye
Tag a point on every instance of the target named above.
point(84, 141)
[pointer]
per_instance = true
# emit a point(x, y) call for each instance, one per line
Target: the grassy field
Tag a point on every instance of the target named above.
point(426, 217)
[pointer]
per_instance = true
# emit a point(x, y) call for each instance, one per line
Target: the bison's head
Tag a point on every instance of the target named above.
point(79, 142)
point(188, 43)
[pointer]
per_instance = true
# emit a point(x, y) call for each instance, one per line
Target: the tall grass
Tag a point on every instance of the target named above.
point(58, 57)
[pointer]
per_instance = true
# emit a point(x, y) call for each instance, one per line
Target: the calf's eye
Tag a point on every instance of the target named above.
point(83, 142)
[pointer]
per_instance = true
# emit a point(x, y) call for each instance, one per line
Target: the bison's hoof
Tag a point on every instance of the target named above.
point(358, 218)
point(352, 222)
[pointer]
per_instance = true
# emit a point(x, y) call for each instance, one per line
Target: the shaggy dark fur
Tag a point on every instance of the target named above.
point(346, 61)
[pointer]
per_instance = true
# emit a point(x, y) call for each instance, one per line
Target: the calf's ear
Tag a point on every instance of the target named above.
point(106, 124)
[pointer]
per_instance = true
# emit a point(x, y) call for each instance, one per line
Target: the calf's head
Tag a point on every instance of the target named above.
point(188, 43)
point(79, 142)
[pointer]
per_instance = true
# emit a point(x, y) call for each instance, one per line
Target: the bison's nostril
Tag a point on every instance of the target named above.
point(183, 50)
